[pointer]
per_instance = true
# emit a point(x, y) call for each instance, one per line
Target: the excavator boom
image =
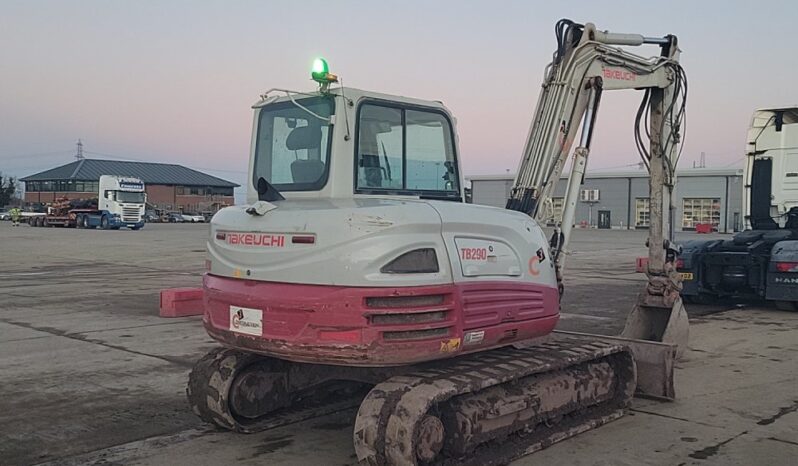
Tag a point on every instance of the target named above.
point(586, 63)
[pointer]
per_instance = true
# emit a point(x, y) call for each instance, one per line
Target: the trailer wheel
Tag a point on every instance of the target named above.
point(79, 222)
point(104, 222)
point(85, 221)
point(786, 305)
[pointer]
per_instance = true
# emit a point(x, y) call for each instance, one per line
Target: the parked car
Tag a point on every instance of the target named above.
point(4, 214)
point(151, 217)
point(174, 218)
point(193, 218)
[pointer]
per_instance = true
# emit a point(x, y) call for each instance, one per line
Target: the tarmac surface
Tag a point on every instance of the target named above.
point(89, 374)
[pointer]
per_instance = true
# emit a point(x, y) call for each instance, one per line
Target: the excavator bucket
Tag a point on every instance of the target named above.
point(652, 320)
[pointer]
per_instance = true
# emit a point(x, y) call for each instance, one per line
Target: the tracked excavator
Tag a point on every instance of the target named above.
point(356, 271)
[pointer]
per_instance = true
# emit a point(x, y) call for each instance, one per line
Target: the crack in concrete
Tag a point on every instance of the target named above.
point(78, 337)
point(789, 442)
point(712, 450)
point(782, 411)
point(637, 410)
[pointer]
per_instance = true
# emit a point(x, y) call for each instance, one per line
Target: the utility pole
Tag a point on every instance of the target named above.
point(79, 154)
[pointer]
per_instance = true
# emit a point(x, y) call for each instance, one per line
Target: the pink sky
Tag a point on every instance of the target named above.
point(173, 81)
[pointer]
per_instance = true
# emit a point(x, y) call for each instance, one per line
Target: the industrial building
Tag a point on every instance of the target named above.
point(620, 200)
point(168, 186)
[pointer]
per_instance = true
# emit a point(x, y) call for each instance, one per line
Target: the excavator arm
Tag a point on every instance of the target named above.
point(586, 63)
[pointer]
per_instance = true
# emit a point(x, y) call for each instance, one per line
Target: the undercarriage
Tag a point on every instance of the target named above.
point(486, 408)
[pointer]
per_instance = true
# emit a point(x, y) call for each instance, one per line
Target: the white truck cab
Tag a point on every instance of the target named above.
point(123, 197)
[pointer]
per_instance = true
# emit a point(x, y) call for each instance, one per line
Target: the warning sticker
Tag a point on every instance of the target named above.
point(472, 338)
point(450, 345)
point(245, 320)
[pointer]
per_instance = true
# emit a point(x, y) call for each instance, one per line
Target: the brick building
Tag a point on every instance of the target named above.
point(169, 187)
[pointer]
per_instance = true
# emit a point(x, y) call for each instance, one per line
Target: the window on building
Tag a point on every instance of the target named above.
point(700, 210)
point(219, 191)
point(405, 150)
point(642, 212)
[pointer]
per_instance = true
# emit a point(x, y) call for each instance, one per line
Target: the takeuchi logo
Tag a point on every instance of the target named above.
point(622, 75)
point(256, 239)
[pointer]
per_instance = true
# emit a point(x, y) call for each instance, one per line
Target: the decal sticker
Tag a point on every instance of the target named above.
point(474, 254)
point(619, 74)
point(541, 255)
point(533, 266)
point(472, 338)
point(256, 239)
point(246, 320)
point(450, 345)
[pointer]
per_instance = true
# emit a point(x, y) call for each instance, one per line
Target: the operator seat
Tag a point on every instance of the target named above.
point(308, 138)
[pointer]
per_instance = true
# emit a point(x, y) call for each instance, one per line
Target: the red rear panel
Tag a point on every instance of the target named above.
point(375, 326)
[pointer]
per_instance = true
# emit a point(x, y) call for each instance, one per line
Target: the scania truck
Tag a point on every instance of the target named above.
point(119, 203)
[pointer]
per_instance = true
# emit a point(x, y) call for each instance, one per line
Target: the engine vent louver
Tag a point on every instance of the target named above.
point(383, 302)
point(410, 318)
point(416, 334)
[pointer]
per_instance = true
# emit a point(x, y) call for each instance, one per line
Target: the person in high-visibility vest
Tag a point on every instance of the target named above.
point(16, 214)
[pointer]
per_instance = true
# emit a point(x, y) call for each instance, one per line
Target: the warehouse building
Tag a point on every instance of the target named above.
point(169, 187)
point(620, 200)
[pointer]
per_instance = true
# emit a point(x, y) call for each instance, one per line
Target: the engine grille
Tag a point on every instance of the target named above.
point(130, 214)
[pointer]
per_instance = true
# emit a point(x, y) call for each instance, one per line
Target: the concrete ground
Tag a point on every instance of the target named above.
point(89, 374)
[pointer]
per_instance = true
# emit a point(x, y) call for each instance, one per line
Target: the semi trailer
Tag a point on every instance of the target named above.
point(119, 203)
point(760, 262)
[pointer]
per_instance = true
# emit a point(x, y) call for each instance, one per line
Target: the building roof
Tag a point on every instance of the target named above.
point(148, 172)
point(627, 174)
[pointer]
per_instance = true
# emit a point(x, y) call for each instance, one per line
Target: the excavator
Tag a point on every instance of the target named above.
point(357, 270)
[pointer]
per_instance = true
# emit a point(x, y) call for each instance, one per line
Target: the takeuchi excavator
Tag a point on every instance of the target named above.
point(357, 271)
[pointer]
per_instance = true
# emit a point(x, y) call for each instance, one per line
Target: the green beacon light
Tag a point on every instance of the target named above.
point(320, 72)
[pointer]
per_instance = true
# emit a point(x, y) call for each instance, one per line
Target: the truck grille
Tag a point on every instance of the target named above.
point(130, 214)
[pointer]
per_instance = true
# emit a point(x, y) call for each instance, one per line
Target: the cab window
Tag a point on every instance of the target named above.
point(405, 151)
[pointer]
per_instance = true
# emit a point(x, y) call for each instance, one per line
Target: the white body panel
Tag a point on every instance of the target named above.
point(113, 196)
point(355, 235)
point(765, 142)
point(355, 238)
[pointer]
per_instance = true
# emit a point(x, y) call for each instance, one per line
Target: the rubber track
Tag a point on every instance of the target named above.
point(214, 373)
point(385, 427)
